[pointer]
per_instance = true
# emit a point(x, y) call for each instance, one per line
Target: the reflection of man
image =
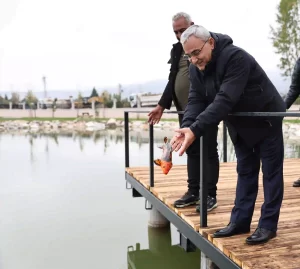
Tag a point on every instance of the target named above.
point(293, 94)
point(177, 90)
point(236, 82)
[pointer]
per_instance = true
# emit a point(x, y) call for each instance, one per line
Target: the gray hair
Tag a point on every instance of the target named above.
point(179, 15)
point(197, 31)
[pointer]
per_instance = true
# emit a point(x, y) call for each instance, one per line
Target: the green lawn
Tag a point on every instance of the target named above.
point(71, 119)
point(100, 119)
point(292, 121)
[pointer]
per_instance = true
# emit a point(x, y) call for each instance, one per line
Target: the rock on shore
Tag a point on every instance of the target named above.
point(76, 125)
point(291, 130)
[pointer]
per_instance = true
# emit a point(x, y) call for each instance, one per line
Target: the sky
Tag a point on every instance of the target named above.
point(85, 43)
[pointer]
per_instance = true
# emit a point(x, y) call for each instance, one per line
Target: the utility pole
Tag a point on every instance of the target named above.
point(120, 89)
point(45, 88)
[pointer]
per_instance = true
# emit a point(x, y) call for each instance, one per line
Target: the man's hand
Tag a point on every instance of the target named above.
point(155, 114)
point(184, 140)
point(177, 141)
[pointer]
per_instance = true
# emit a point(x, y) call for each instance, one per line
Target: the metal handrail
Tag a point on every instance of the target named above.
point(203, 183)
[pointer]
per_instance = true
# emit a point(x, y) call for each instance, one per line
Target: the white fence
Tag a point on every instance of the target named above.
point(103, 113)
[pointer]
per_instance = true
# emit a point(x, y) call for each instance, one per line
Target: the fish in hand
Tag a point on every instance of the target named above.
point(165, 162)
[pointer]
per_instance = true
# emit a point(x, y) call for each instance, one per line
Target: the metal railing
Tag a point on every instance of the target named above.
point(203, 150)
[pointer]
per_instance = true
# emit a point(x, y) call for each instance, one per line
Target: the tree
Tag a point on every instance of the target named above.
point(286, 36)
point(2, 100)
point(5, 97)
point(30, 100)
point(107, 99)
point(120, 90)
point(15, 98)
point(94, 93)
point(79, 102)
point(54, 107)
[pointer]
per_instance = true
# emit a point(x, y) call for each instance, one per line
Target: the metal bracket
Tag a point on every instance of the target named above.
point(128, 184)
point(186, 244)
point(135, 193)
point(147, 207)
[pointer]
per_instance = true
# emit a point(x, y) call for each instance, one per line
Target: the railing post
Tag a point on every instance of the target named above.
point(151, 155)
point(126, 129)
point(203, 180)
point(224, 142)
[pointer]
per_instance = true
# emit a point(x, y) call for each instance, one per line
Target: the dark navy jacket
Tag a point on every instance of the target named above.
point(294, 87)
point(232, 82)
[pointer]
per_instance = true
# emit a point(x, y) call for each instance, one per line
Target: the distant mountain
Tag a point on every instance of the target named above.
point(154, 86)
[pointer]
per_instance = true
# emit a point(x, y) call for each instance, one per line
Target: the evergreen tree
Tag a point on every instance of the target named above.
point(94, 93)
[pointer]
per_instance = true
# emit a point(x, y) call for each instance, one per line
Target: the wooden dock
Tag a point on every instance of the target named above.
point(280, 252)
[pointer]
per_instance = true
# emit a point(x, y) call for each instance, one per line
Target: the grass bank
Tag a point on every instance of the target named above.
point(292, 121)
point(83, 119)
point(102, 119)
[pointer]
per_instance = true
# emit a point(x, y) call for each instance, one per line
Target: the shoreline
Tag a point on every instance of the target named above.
point(78, 124)
point(291, 128)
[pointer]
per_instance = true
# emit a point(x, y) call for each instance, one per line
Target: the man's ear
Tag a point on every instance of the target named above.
point(212, 42)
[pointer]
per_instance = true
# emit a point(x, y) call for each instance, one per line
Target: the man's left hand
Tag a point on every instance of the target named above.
point(189, 138)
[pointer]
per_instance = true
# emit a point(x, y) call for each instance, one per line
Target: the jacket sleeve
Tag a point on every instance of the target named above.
point(195, 105)
point(294, 90)
point(167, 98)
point(233, 84)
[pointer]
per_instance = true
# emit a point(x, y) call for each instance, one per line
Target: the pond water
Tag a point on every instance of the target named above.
point(64, 204)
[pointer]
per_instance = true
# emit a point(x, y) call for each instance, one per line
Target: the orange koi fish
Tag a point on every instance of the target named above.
point(166, 159)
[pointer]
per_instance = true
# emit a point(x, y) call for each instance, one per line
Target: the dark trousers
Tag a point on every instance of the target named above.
point(212, 163)
point(180, 118)
point(271, 153)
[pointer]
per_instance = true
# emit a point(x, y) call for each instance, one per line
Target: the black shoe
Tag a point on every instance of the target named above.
point(211, 204)
point(260, 236)
point(231, 229)
point(186, 200)
point(296, 183)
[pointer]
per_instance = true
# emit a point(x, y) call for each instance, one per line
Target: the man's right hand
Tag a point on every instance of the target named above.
point(155, 114)
point(177, 141)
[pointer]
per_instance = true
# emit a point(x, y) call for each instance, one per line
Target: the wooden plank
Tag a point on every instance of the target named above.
point(280, 252)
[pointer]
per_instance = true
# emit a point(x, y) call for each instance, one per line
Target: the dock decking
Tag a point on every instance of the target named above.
point(280, 252)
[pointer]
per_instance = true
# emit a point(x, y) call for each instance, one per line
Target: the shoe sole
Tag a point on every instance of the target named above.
point(209, 209)
point(185, 205)
point(238, 233)
point(259, 242)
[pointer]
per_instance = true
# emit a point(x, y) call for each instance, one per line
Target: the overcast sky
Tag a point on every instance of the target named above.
point(83, 43)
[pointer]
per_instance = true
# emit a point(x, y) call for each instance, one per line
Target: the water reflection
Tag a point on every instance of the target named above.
point(161, 253)
point(57, 212)
point(137, 137)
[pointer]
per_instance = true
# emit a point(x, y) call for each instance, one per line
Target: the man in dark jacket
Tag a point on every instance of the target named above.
point(177, 90)
point(293, 94)
point(236, 83)
point(177, 87)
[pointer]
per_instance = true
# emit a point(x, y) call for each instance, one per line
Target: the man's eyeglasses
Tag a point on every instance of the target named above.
point(194, 52)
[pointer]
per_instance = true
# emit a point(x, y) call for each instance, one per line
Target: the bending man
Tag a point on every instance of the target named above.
point(238, 84)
